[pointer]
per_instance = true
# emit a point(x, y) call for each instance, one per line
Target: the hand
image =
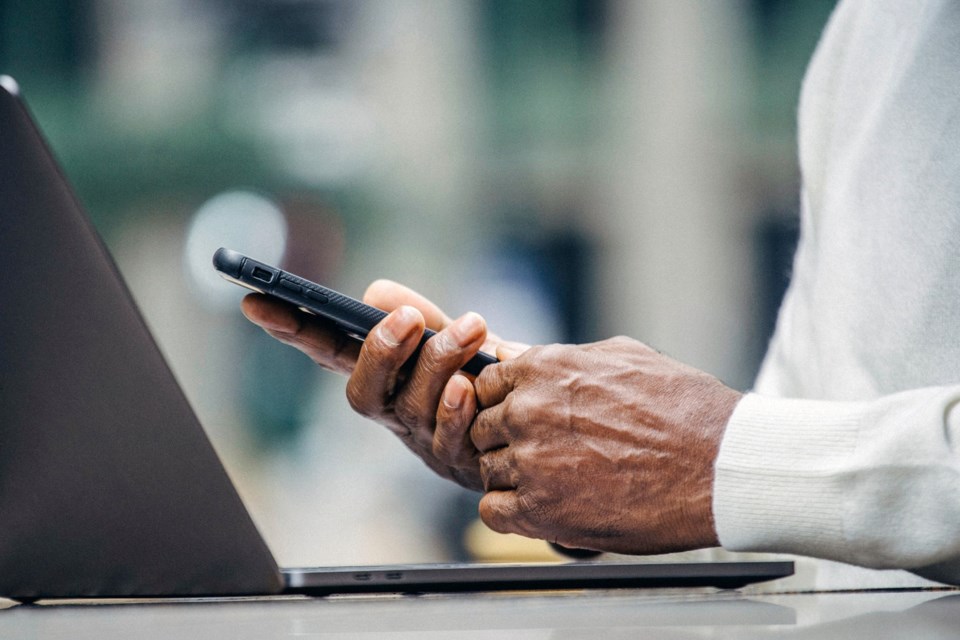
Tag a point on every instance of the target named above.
point(608, 446)
point(404, 398)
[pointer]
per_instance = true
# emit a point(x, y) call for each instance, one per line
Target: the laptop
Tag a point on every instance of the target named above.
point(109, 486)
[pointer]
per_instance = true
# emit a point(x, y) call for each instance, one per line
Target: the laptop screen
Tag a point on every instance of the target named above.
point(108, 484)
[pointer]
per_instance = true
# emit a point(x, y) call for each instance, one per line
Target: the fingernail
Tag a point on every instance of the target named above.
point(467, 329)
point(399, 326)
point(454, 396)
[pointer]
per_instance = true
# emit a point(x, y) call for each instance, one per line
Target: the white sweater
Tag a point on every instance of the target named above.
point(849, 447)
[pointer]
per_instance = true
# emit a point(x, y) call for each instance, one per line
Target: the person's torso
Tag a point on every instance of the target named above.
point(875, 307)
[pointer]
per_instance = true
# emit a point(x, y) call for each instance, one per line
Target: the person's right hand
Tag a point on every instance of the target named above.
point(405, 399)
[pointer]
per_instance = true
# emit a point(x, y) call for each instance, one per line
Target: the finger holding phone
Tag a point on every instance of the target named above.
point(385, 383)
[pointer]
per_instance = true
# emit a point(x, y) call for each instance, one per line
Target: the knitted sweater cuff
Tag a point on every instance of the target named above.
point(776, 486)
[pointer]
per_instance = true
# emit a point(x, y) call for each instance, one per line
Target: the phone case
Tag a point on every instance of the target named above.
point(354, 317)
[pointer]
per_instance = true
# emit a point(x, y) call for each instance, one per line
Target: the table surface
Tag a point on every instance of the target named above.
point(918, 614)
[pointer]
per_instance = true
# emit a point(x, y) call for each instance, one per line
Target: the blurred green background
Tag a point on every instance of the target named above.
point(571, 169)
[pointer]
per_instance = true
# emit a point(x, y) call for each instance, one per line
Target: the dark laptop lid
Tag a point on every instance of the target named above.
point(108, 484)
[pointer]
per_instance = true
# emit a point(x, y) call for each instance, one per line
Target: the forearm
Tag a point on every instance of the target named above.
point(869, 483)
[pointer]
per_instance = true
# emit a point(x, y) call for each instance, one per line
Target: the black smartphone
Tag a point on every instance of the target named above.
point(353, 317)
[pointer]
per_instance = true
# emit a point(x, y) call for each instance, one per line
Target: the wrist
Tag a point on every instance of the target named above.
point(714, 423)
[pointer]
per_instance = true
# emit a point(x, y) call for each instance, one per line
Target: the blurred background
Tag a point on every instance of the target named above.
point(571, 169)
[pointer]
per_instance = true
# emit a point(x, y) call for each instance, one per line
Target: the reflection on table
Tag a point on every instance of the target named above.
point(566, 615)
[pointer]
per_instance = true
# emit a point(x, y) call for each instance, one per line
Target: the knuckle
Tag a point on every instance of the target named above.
point(477, 436)
point(481, 433)
point(534, 512)
point(359, 399)
point(484, 466)
point(530, 508)
point(545, 351)
point(445, 446)
point(442, 450)
point(409, 413)
point(517, 410)
point(492, 517)
point(344, 348)
point(487, 381)
point(437, 354)
point(619, 343)
point(449, 426)
point(545, 355)
point(380, 348)
point(494, 471)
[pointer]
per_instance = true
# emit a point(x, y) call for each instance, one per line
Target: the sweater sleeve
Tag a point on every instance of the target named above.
point(875, 483)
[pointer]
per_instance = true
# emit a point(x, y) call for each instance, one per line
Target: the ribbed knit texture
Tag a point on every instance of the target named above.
point(778, 483)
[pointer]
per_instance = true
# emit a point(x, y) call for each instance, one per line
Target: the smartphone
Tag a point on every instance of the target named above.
point(353, 317)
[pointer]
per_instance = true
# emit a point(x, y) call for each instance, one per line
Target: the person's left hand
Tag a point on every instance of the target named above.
point(608, 446)
point(384, 384)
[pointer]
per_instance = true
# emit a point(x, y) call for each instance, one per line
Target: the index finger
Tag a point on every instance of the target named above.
point(494, 383)
point(322, 342)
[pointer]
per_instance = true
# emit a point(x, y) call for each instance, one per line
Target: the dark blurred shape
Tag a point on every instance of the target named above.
point(769, 13)
point(542, 59)
point(774, 246)
point(316, 241)
point(276, 387)
point(289, 25)
point(562, 263)
point(46, 37)
point(785, 35)
point(520, 24)
point(570, 258)
point(576, 554)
